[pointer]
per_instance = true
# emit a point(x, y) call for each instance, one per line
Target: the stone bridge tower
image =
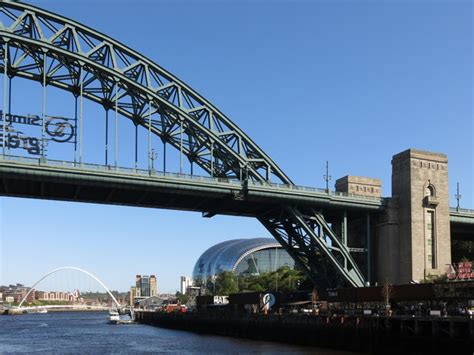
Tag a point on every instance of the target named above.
point(413, 240)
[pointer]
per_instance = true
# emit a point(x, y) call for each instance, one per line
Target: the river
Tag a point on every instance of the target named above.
point(88, 332)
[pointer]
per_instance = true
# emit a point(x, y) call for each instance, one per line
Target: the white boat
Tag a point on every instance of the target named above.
point(114, 316)
point(42, 310)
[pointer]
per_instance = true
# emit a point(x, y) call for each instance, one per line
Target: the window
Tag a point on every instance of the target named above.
point(430, 191)
point(430, 258)
point(430, 241)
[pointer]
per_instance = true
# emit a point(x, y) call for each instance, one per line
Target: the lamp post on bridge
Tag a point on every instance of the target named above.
point(153, 156)
point(327, 177)
point(458, 197)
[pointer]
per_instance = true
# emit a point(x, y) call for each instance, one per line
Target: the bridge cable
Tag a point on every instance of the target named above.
point(9, 107)
point(81, 111)
point(43, 113)
point(75, 129)
point(106, 137)
point(116, 127)
point(5, 61)
point(149, 135)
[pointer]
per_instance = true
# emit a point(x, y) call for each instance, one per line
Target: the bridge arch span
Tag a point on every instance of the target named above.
point(53, 50)
point(70, 268)
point(57, 51)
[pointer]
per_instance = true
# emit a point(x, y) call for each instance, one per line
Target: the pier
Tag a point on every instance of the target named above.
point(355, 333)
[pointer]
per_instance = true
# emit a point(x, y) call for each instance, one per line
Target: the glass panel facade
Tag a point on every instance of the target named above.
point(262, 261)
point(264, 254)
point(145, 285)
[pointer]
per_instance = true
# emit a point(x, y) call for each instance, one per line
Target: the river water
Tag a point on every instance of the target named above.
point(87, 332)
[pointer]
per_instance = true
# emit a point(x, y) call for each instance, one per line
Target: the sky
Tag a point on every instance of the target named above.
point(350, 82)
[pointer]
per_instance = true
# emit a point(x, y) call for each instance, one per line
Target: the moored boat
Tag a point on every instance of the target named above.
point(114, 316)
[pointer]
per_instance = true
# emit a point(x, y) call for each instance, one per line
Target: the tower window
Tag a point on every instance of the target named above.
point(430, 191)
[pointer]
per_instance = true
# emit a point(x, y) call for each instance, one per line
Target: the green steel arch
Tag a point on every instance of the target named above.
point(113, 74)
point(53, 50)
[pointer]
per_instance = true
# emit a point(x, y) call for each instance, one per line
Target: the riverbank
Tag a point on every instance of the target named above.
point(361, 334)
point(16, 311)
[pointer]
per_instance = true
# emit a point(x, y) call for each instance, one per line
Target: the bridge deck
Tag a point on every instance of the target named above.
point(100, 184)
point(61, 180)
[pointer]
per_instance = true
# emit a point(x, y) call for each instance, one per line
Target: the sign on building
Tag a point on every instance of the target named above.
point(460, 271)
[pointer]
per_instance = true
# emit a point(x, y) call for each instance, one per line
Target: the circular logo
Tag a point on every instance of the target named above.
point(269, 300)
point(59, 129)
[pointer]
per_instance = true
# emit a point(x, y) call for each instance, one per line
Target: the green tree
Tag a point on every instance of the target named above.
point(226, 283)
point(284, 279)
point(182, 298)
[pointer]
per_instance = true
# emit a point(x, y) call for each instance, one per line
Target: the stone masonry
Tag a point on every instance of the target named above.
point(413, 238)
point(358, 185)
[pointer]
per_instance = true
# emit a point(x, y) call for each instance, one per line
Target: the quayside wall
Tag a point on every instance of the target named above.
point(364, 333)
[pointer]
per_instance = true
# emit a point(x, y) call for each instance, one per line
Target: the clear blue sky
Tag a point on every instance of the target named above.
point(352, 82)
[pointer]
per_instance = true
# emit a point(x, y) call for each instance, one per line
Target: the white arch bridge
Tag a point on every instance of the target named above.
point(68, 268)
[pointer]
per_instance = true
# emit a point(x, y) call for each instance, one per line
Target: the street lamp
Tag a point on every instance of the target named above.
point(153, 156)
point(327, 177)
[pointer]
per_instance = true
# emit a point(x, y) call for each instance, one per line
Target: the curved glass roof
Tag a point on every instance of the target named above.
point(224, 256)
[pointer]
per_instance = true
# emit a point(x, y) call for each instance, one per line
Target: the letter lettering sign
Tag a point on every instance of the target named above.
point(57, 129)
point(460, 271)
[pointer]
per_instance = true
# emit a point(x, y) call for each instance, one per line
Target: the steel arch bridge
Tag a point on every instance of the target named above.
point(75, 269)
point(58, 52)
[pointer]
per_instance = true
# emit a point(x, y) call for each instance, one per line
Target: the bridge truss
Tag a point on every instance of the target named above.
point(55, 51)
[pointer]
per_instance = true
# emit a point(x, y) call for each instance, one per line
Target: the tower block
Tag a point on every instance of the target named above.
point(414, 238)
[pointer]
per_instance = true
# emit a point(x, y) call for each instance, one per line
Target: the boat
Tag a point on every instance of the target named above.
point(42, 310)
point(114, 316)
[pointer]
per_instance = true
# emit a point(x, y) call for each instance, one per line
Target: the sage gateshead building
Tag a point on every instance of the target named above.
point(244, 257)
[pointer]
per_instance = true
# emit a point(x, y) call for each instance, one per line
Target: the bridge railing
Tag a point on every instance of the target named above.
point(116, 169)
point(461, 210)
point(316, 190)
point(198, 178)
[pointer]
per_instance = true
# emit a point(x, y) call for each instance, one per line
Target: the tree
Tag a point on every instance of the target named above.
point(284, 279)
point(182, 298)
point(226, 283)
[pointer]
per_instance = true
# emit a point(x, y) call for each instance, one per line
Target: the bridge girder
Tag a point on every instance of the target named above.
point(314, 246)
point(113, 74)
point(50, 49)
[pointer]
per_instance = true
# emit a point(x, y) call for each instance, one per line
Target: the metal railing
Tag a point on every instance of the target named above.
point(461, 210)
point(178, 176)
point(116, 169)
point(313, 190)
